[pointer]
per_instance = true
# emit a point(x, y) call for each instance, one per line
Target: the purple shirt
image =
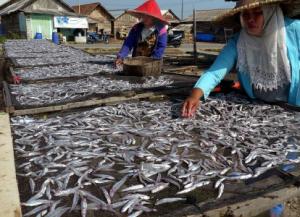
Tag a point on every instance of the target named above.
point(131, 42)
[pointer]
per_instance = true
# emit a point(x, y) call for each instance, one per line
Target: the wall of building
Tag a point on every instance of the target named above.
point(93, 27)
point(22, 25)
point(104, 21)
point(28, 26)
point(208, 27)
point(170, 17)
point(124, 23)
point(11, 23)
point(41, 23)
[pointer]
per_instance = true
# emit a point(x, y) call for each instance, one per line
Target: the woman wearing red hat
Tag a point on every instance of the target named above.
point(149, 36)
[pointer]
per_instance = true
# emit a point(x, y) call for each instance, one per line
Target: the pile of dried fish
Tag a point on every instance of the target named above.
point(72, 52)
point(63, 71)
point(122, 159)
point(27, 62)
point(13, 47)
point(27, 53)
point(51, 93)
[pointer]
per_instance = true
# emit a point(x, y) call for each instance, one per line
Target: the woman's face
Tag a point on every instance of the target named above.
point(148, 21)
point(254, 21)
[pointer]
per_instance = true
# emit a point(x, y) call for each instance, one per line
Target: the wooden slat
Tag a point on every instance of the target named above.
point(7, 98)
point(194, 71)
point(95, 102)
point(238, 206)
point(9, 194)
point(255, 206)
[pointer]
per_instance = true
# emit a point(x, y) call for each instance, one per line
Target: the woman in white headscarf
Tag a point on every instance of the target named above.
point(266, 54)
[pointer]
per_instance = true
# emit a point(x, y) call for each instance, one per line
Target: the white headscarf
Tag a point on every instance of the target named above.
point(265, 58)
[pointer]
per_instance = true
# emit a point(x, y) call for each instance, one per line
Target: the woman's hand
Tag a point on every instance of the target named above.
point(118, 62)
point(16, 79)
point(192, 103)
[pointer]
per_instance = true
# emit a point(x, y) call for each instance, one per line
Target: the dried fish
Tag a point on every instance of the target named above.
point(138, 149)
point(28, 53)
point(52, 93)
point(65, 71)
point(169, 200)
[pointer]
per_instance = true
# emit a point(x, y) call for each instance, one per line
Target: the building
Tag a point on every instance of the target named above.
point(28, 17)
point(3, 2)
point(204, 24)
point(99, 19)
point(124, 22)
point(170, 16)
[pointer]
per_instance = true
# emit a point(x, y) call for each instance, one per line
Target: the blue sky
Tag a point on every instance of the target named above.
point(175, 5)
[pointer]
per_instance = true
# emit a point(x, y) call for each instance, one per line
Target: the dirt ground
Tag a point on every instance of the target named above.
point(1, 99)
point(291, 209)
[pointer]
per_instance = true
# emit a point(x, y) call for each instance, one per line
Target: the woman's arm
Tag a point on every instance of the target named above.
point(211, 78)
point(222, 65)
point(128, 44)
point(162, 41)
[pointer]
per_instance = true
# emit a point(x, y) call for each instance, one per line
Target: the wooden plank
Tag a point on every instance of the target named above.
point(194, 71)
point(9, 194)
point(94, 102)
point(182, 68)
point(11, 71)
point(245, 200)
point(186, 70)
point(7, 98)
point(255, 206)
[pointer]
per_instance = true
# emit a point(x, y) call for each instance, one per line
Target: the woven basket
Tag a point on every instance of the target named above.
point(142, 66)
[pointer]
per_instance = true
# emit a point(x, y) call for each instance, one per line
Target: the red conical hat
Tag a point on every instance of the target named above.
point(149, 8)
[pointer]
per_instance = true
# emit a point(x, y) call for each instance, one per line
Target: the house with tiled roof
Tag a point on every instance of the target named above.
point(99, 18)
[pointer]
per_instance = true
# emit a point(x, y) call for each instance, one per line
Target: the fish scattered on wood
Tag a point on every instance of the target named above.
point(53, 92)
point(120, 158)
point(65, 71)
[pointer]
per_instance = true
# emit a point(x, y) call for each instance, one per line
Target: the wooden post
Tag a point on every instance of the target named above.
point(7, 98)
point(9, 194)
point(78, 6)
point(181, 10)
point(195, 35)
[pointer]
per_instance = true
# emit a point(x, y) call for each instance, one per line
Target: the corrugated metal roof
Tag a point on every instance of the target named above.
point(14, 7)
point(20, 5)
point(205, 15)
point(52, 12)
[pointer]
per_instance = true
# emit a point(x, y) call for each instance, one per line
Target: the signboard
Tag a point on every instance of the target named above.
point(70, 22)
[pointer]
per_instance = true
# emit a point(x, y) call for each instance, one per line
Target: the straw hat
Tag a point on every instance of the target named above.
point(149, 8)
point(230, 17)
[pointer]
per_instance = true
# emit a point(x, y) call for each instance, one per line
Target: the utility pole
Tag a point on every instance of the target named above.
point(195, 36)
point(78, 6)
point(181, 9)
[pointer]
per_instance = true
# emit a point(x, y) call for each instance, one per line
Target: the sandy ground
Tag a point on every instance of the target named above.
point(1, 99)
point(292, 209)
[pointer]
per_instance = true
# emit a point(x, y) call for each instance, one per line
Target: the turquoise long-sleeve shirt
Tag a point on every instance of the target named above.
point(228, 57)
